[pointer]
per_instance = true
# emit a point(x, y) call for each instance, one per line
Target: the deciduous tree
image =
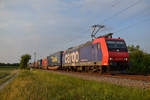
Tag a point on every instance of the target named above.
point(24, 61)
point(139, 60)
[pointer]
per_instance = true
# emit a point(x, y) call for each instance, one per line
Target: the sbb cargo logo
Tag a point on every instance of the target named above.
point(72, 57)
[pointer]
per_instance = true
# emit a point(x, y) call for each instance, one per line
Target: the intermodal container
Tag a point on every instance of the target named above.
point(55, 59)
point(44, 63)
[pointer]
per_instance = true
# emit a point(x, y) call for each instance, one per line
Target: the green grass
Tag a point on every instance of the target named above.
point(3, 73)
point(8, 71)
point(41, 85)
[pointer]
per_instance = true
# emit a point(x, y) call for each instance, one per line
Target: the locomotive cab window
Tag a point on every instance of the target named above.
point(116, 45)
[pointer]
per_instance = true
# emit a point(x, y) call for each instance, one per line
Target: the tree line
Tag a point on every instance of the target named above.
point(8, 64)
point(139, 62)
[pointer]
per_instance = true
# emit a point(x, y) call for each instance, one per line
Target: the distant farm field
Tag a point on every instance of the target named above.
point(7, 68)
point(42, 85)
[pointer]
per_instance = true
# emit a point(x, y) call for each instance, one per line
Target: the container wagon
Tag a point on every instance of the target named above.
point(40, 63)
point(35, 64)
point(55, 61)
point(44, 63)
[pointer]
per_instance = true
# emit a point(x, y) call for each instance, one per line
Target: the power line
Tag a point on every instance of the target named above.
point(132, 5)
point(143, 13)
point(116, 2)
point(121, 11)
point(90, 26)
point(78, 37)
point(133, 25)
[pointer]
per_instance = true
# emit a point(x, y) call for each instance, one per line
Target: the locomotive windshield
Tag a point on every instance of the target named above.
point(116, 45)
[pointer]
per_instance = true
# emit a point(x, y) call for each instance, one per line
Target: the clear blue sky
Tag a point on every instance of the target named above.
point(47, 26)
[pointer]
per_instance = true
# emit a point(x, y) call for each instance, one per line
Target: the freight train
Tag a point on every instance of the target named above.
point(102, 54)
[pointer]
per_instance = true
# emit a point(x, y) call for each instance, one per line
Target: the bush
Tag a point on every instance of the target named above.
point(139, 60)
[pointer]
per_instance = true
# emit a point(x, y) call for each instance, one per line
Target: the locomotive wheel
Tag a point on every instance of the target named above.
point(75, 69)
point(90, 69)
point(96, 69)
point(86, 69)
point(108, 69)
point(101, 70)
point(83, 69)
point(67, 69)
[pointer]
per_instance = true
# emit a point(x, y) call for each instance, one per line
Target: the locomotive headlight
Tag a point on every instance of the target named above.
point(125, 58)
point(110, 58)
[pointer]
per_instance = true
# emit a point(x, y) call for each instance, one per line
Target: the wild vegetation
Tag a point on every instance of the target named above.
point(24, 61)
point(139, 60)
point(6, 72)
point(41, 85)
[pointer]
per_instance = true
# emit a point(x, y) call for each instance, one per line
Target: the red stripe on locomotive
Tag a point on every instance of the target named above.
point(104, 50)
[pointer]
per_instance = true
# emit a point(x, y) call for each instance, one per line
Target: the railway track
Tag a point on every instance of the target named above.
point(139, 81)
point(3, 76)
point(8, 81)
point(121, 76)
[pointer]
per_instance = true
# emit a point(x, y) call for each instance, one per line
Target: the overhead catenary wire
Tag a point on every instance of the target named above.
point(109, 18)
point(132, 25)
point(143, 13)
point(69, 41)
point(116, 2)
point(98, 29)
point(121, 11)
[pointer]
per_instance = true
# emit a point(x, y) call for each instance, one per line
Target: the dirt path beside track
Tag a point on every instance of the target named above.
point(109, 79)
point(15, 73)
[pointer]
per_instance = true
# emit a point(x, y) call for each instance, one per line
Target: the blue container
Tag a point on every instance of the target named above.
point(55, 59)
point(40, 62)
point(87, 54)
